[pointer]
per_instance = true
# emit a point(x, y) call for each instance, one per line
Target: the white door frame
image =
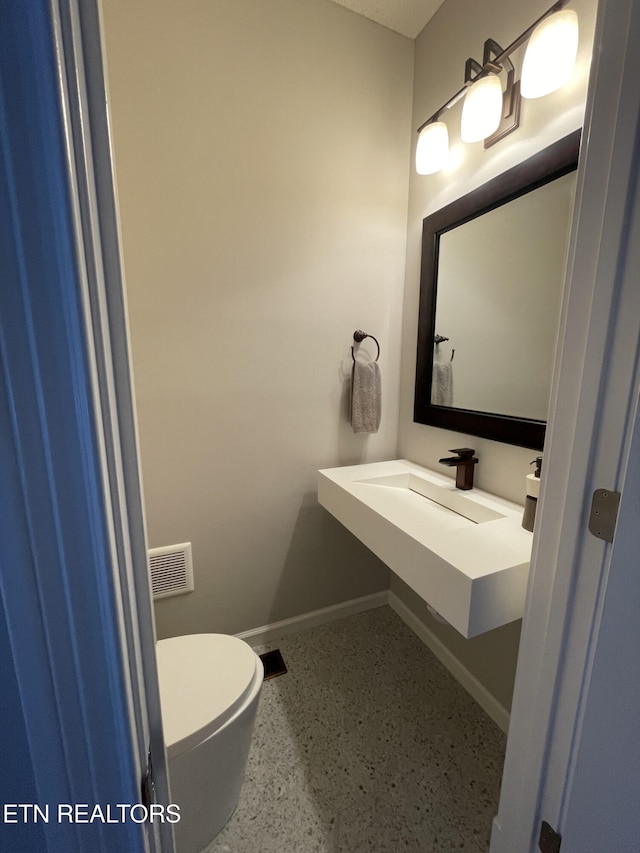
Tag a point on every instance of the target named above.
point(600, 802)
point(593, 400)
point(83, 88)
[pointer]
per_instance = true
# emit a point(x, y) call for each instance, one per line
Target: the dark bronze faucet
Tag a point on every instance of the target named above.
point(464, 462)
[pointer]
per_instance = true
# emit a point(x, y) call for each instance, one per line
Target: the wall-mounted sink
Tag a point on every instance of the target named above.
point(465, 553)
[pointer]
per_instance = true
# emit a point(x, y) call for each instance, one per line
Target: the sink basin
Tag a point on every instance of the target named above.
point(464, 552)
point(455, 502)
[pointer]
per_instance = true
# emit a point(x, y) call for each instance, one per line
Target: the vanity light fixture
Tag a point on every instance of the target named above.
point(482, 109)
point(557, 37)
point(432, 148)
point(490, 112)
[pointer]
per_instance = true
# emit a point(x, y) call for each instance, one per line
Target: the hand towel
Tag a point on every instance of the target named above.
point(366, 396)
point(442, 384)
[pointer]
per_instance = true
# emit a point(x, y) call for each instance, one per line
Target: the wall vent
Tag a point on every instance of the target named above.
point(171, 570)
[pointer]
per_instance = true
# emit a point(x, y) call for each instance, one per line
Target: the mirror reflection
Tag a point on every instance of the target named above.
point(499, 289)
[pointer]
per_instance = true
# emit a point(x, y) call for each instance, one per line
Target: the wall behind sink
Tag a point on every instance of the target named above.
point(457, 31)
point(262, 169)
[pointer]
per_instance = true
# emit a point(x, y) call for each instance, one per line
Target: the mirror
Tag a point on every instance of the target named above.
point(492, 274)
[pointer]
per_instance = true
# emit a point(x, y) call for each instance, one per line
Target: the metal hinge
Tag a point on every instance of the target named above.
point(550, 840)
point(604, 513)
point(148, 786)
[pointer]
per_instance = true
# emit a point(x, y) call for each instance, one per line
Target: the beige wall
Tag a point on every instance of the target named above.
point(457, 31)
point(262, 167)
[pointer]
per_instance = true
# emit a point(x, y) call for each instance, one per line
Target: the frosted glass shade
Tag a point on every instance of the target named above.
point(550, 55)
point(482, 109)
point(432, 148)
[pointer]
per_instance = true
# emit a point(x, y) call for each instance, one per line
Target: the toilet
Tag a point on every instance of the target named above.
point(209, 690)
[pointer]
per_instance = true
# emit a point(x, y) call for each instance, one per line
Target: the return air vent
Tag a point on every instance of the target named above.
point(171, 570)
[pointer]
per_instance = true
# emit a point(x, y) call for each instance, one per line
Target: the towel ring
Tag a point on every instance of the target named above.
point(358, 337)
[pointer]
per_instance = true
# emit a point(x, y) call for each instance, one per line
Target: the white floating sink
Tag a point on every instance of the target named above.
point(464, 552)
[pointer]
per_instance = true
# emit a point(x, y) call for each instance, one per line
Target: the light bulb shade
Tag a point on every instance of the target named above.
point(482, 109)
point(550, 55)
point(432, 148)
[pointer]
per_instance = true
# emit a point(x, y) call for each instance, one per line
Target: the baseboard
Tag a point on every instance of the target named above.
point(486, 700)
point(269, 633)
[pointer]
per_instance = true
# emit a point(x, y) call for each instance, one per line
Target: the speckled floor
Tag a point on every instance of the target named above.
point(366, 745)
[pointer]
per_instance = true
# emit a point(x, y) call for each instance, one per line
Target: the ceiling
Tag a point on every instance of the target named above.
point(407, 17)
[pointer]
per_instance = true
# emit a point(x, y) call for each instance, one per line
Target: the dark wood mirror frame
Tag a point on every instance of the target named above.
point(551, 163)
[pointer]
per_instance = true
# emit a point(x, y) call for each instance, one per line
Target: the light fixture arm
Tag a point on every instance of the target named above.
point(492, 51)
point(492, 65)
point(472, 70)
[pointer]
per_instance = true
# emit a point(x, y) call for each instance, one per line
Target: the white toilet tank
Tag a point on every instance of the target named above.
point(209, 690)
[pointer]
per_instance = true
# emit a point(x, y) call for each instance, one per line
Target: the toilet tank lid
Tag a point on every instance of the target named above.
point(204, 679)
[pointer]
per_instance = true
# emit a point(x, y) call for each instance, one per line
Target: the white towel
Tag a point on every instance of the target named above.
point(366, 396)
point(442, 384)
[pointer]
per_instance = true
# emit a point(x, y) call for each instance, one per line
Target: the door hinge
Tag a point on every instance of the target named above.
point(147, 786)
point(550, 840)
point(604, 513)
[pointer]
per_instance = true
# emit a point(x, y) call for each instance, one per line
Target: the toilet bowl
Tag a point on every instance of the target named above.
point(209, 690)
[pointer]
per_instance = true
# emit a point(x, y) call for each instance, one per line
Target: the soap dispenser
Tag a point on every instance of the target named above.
point(533, 492)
